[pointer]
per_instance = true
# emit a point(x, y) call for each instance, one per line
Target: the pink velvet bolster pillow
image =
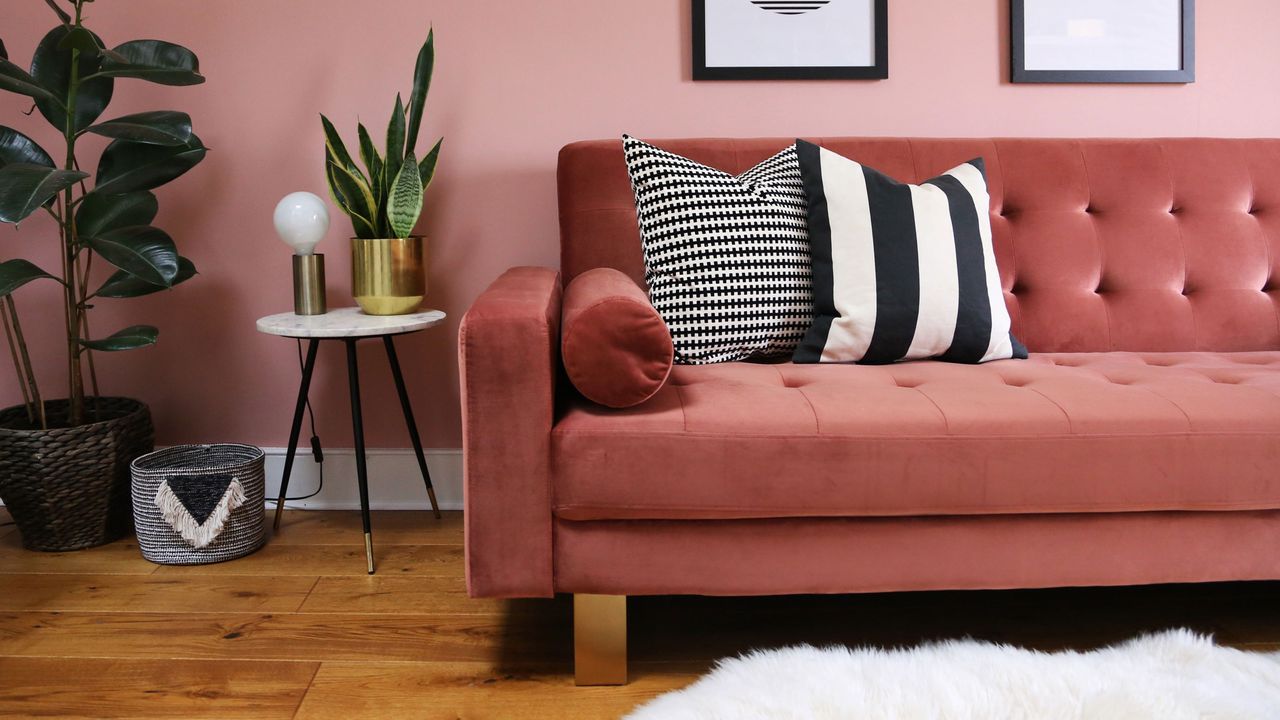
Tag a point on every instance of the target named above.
point(616, 348)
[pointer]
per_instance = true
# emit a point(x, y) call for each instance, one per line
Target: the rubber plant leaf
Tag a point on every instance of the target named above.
point(16, 80)
point(129, 338)
point(62, 14)
point(123, 285)
point(155, 61)
point(16, 273)
point(25, 187)
point(79, 38)
point(18, 148)
point(157, 127)
point(421, 84)
point(98, 213)
point(143, 251)
point(127, 166)
point(427, 168)
point(405, 202)
point(51, 68)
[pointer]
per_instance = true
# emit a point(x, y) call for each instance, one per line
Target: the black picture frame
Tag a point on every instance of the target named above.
point(878, 71)
point(1020, 74)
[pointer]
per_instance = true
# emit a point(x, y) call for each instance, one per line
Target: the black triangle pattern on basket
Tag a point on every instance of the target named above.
point(199, 495)
point(197, 507)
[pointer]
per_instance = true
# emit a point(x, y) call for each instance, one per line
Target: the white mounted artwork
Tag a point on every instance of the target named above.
point(790, 39)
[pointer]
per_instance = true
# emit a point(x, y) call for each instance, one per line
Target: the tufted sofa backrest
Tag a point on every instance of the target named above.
point(1141, 245)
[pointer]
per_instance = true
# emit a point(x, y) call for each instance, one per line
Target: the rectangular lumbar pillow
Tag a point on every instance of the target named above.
point(901, 272)
point(726, 258)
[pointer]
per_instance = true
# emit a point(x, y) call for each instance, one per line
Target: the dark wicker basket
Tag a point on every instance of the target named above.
point(68, 488)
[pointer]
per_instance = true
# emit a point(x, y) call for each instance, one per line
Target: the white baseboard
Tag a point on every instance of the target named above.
point(394, 480)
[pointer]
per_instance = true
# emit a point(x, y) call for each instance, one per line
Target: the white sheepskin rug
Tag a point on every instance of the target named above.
point(1173, 675)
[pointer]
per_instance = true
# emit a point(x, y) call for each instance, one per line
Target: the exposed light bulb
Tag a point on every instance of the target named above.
point(302, 219)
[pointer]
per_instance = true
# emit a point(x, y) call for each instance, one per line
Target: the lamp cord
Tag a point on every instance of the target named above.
point(317, 452)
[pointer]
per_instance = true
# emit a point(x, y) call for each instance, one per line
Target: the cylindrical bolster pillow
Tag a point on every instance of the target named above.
point(616, 348)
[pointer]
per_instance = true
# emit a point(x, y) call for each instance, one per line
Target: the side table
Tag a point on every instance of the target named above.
point(351, 325)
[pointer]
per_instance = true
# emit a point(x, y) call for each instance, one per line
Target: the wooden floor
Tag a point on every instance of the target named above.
point(299, 630)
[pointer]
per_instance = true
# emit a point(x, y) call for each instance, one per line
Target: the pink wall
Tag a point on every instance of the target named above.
point(514, 82)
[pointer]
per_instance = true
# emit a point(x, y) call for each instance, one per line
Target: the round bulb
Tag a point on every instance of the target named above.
point(302, 219)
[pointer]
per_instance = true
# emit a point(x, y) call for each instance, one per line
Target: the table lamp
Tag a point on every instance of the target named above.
point(302, 219)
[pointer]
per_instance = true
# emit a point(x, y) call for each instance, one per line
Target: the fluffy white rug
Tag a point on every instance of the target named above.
point(1168, 676)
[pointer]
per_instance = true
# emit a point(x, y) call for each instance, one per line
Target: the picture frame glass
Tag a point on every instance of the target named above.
point(790, 33)
point(1088, 35)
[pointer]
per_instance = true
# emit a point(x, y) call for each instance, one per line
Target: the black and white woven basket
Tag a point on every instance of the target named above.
point(199, 504)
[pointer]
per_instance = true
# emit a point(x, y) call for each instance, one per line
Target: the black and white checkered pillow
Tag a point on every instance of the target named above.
point(726, 258)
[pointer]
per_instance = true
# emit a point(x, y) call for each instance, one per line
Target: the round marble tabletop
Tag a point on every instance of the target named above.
point(347, 323)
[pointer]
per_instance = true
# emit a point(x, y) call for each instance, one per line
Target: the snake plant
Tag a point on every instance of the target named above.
point(384, 199)
point(72, 78)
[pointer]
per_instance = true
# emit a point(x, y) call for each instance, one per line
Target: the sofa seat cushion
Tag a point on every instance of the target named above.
point(1058, 433)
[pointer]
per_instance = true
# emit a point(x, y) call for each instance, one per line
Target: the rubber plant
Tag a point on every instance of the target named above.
point(71, 81)
point(384, 199)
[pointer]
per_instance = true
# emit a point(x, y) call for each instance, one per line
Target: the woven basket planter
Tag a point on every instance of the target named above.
point(200, 504)
point(68, 488)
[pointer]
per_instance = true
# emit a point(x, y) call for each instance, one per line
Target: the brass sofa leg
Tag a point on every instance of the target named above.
point(600, 639)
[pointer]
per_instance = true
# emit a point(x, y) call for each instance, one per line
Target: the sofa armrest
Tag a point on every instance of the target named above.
point(508, 348)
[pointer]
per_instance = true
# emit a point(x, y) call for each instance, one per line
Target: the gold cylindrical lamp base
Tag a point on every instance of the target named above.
point(308, 285)
point(389, 276)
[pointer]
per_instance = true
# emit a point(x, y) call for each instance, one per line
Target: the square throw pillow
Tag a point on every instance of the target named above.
point(726, 258)
point(901, 272)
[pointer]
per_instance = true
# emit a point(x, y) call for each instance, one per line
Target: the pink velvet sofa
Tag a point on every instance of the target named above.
point(1140, 443)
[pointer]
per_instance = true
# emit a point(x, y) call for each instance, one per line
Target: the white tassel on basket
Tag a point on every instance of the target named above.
point(198, 535)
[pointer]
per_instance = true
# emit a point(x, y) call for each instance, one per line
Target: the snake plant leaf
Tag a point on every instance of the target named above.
point(4, 53)
point(123, 285)
point(51, 68)
point(334, 146)
point(98, 213)
point(25, 187)
point(158, 127)
point(156, 61)
point(421, 84)
point(427, 168)
point(354, 197)
point(395, 142)
point(16, 273)
point(129, 338)
point(62, 14)
point(143, 251)
point(369, 155)
point(404, 205)
point(18, 148)
point(127, 166)
point(377, 178)
point(16, 80)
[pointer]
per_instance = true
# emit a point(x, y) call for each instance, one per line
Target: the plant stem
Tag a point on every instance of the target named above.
point(26, 361)
point(17, 364)
point(69, 245)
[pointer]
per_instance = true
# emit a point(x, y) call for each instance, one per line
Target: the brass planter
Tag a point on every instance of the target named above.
point(389, 276)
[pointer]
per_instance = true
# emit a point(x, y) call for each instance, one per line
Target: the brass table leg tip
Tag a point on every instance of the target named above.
point(368, 551)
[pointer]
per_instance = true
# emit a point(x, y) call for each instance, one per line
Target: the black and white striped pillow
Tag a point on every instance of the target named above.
point(726, 258)
point(901, 272)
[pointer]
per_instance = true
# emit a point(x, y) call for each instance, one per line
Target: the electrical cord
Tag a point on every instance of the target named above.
point(317, 452)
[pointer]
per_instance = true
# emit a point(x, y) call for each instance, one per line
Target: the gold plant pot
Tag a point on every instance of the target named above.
point(389, 277)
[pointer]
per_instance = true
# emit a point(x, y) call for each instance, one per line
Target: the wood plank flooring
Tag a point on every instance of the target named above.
point(299, 630)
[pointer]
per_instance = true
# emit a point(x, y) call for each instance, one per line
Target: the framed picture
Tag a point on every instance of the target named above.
point(790, 39)
point(1103, 41)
